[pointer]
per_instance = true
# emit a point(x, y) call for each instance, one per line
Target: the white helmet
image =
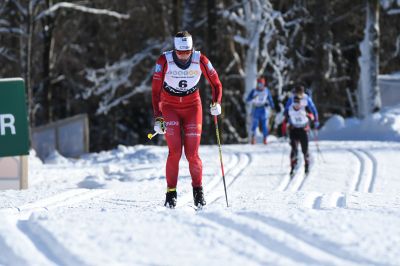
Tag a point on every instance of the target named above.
point(183, 43)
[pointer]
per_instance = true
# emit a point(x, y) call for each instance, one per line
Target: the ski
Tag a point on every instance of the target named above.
point(294, 171)
point(198, 207)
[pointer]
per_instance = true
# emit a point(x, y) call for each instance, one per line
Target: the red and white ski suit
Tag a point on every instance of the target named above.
point(176, 98)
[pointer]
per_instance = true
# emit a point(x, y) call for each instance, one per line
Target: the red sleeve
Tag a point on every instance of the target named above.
point(212, 76)
point(157, 83)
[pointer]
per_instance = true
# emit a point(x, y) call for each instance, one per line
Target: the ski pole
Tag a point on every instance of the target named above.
point(220, 157)
point(151, 135)
point(284, 137)
point(283, 153)
point(316, 142)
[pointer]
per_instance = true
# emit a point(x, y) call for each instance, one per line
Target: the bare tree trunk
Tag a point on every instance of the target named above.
point(212, 29)
point(176, 15)
point(373, 9)
point(322, 37)
point(188, 14)
point(251, 60)
point(48, 43)
point(211, 48)
point(30, 33)
point(368, 91)
point(165, 18)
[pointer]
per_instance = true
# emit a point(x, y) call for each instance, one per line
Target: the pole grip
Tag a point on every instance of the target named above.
point(150, 135)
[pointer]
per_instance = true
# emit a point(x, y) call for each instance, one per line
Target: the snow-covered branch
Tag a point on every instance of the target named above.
point(105, 107)
point(236, 59)
point(22, 10)
point(339, 79)
point(6, 53)
point(233, 17)
point(232, 130)
point(109, 79)
point(394, 12)
point(397, 52)
point(349, 13)
point(81, 8)
point(241, 40)
point(387, 4)
point(302, 58)
point(4, 22)
point(17, 31)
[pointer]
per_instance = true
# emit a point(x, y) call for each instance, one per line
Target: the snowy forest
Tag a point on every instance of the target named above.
point(97, 57)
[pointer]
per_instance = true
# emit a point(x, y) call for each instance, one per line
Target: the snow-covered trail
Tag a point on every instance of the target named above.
point(107, 208)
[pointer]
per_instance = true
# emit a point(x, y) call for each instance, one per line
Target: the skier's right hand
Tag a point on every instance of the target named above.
point(159, 126)
point(316, 124)
point(215, 109)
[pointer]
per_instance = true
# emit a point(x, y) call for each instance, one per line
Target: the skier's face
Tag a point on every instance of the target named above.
point(260, 86)
point(183, 55)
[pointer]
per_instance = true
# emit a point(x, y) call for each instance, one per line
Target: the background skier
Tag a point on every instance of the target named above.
point(299, 110)
point(178, 110)
point(261, 99)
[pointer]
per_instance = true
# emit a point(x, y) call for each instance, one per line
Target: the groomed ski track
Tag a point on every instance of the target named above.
point(253, 230)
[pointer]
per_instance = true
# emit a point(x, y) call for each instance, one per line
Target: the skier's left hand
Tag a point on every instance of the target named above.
point(215, 109)
point(160, 126)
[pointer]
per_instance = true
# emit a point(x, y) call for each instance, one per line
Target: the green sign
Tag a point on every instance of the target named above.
point(14, 138)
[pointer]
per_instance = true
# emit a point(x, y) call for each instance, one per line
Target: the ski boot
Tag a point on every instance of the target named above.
point(265, 141)
point(170, 198)
point(293, 168)
point(306, 169)
point(198, 197)
point(292, 172)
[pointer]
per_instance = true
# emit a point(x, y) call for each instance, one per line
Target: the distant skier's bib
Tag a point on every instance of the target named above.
point(260, 98)
point(182, 82)
point(298, 118)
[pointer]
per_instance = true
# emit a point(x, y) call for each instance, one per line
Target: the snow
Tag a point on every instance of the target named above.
point(382, 126)
point(56, 158)
point(96, 11)
point(106, 208)
point(392, 76)
point(389, 86)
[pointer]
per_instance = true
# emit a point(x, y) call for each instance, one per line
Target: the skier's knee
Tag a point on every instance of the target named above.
point(192, 157)
point(192, 154)
point(175, 154)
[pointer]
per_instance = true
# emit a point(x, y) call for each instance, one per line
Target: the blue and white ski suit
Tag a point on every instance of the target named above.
point(260, 100)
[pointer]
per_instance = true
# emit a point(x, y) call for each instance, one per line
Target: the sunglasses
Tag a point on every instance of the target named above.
point(188, 52)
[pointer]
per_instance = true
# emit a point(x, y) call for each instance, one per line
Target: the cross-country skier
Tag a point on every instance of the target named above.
point(178, 110)
point(299, 110)
point(260, 98)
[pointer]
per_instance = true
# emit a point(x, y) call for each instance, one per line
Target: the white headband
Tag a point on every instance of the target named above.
point(183, 43)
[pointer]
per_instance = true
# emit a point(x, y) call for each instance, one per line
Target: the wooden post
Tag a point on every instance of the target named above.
point(23, 172)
